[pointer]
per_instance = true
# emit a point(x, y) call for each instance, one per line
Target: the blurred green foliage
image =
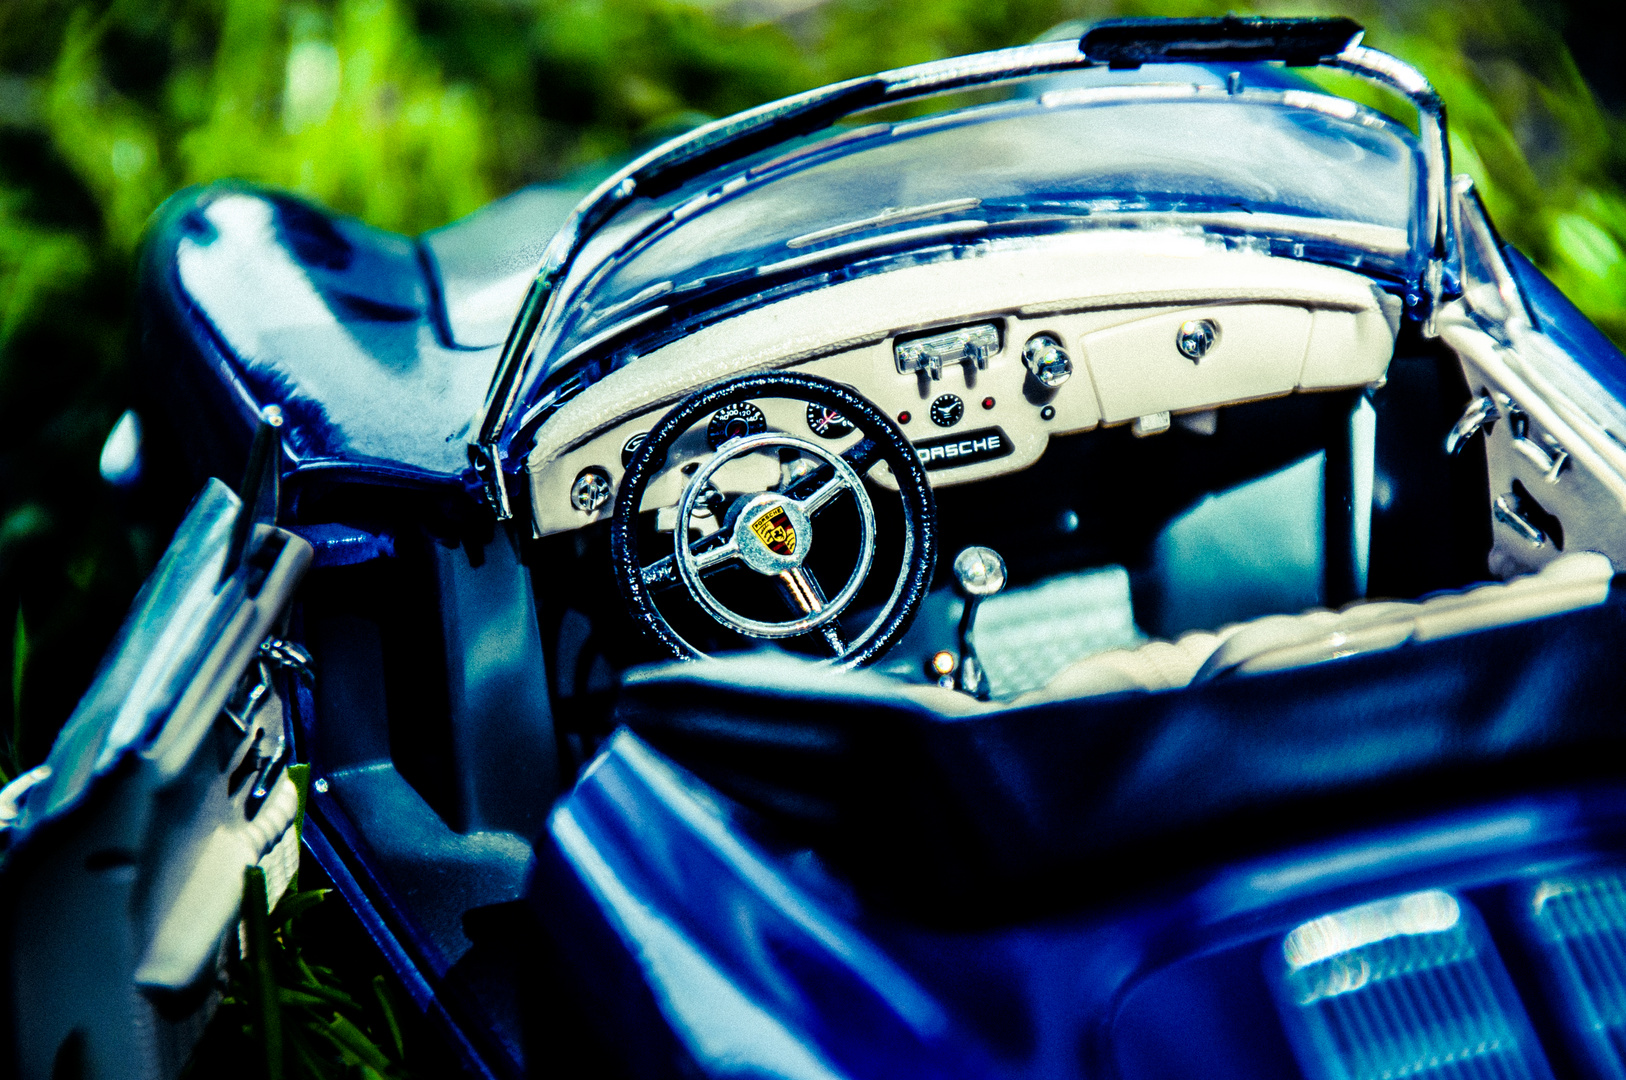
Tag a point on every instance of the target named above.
point(410, 113)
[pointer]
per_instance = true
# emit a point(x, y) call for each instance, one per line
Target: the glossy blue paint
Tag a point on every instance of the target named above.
point(343, 545)
point(758, 961)
point(260, 299)
point(1083, 888)
point(746, 963)
point(1556, 316)
point(1088, 889)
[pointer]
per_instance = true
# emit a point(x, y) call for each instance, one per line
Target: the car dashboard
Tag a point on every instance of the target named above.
point(1115, 305)
point(1156, 331)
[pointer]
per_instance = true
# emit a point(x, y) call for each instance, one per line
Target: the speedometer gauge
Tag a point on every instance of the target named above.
point(826, 422)
point(735, 422)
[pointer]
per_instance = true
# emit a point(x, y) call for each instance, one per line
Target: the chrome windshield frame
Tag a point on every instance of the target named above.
point(731, 138)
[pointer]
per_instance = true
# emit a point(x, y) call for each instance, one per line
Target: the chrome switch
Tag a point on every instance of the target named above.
point(968, 343)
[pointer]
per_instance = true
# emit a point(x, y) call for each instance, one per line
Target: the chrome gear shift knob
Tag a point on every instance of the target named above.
point(979, 572)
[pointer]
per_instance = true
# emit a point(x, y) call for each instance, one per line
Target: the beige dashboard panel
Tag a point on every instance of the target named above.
point(1284, 326)
point(1139, 371)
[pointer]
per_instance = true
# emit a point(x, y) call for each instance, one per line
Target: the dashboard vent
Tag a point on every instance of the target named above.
point(1408, 987)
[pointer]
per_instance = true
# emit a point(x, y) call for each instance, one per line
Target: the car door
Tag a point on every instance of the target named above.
point(1546, 395)
point(123, 872)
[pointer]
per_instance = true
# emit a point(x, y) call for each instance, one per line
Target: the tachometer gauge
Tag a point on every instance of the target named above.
point(735, 422)
point(826, 422)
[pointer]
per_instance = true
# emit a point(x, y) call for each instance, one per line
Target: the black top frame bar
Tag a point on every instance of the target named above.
point(1127, 43)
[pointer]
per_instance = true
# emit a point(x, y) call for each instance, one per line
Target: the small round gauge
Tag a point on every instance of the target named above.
point(734, 422)
point(947, 410)
point(826, 422)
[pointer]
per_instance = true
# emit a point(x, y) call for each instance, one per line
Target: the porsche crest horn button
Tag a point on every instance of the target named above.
point(773, 528)
point(773, 533)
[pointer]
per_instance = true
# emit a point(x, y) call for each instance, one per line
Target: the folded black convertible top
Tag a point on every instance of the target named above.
point(989, 814)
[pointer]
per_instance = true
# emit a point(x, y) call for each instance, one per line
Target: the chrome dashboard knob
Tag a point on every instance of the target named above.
point(1047, 361)
point(1195, 337)
point(591, 490)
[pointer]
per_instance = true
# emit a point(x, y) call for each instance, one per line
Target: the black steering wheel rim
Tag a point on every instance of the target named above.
point(881, 439)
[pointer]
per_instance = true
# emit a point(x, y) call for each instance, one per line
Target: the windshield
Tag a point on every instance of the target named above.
point(1264, 164)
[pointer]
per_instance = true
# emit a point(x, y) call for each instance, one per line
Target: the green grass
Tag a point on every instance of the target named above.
point(411, 113)
point(294, 1007)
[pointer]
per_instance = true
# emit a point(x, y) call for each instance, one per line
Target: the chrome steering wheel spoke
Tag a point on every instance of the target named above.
point(831, 633)
point(825, 483)
point(804, 594)
point(716, 557)
point(712, 553)
point(769, 531)
point(802, 591)
point(771, 534)
point(829, 490)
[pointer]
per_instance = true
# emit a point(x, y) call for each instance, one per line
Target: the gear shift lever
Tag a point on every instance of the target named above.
point(979, 572)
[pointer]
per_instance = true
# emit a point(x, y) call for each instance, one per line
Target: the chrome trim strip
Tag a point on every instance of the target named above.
point(1386, 70)
point(868, 243)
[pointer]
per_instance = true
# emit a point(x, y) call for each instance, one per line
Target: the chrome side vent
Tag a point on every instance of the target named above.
point(1408, 987)
point(1580, 924)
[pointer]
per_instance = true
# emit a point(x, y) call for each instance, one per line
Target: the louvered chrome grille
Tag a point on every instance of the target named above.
point(1581, 924)
point(1405, 987)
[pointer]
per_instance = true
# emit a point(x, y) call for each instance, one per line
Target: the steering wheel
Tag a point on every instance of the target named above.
point(771, 532)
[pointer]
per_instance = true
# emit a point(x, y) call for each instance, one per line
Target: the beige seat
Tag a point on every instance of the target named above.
point(1270, 643)
point(1273, 642)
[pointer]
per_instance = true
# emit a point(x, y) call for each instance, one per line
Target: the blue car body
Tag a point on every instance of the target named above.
point(1388, 860)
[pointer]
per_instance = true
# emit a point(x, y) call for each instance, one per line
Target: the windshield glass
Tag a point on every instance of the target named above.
point(1266, 164)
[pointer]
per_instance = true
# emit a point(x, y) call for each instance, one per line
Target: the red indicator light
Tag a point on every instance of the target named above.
point(988, 403)
point(903, 418)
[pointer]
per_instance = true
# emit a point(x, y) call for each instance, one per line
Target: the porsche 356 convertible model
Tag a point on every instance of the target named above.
point(1113, 579)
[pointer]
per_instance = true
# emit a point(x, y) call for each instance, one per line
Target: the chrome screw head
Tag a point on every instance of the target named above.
point(1047, 361)
point(1195, 337)
point(591, 490)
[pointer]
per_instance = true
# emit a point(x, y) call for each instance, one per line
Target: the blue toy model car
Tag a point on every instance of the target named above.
point(1026, 474)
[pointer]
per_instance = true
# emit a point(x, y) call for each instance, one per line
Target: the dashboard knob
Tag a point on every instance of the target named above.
point(1195, 337)
point(1047, 361)
point(591, 490)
